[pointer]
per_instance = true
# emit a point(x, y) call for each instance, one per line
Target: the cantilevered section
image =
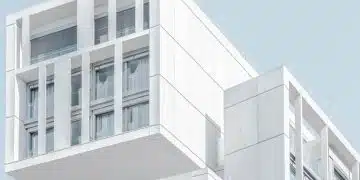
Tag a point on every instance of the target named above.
point(148, 153)
point(278, 123)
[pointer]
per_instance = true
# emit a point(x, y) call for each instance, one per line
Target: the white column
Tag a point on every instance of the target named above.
point(325, 153)
point(154, 70)
point(154, 14)
point(355, 171)
point(25, 41)
point(299, 139)
point(9, 140)
point(112, 19)
point(20, 115)
point(62, 107)
point(86, 23)
point(139, 15)
point(118, 96)
point(42, 110)
point(11, 46)
point(85, 98)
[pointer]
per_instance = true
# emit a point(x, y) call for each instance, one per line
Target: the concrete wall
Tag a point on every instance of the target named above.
point(256, 132)
point(186, 24)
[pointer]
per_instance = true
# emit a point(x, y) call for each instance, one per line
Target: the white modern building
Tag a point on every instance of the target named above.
point(151, 90)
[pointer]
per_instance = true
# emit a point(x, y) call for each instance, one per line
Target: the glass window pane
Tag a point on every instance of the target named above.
point(104, 125)
point(104, 82)
point(101, 30)
point(146, 16)
point(49, 139)
point(76, 90)
point(75, 132)
point(50, 100)
point(33, 144)
point(135, 117)
point(54, 44)
point(136, 76)
point(33, 104)
point(125, 22)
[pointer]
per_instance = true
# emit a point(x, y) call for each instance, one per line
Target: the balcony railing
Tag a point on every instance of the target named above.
point(52, 54)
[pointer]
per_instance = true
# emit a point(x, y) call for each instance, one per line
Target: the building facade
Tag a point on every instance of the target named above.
point(150, 90)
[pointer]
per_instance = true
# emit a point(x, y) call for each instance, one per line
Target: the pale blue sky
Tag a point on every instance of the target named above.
point(319, 41)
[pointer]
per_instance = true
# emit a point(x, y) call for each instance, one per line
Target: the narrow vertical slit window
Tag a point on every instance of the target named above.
point(75, 132)
point(104, 125)
point(50, 100)
point(76, 89)
point(50, 139)
point(33, 144)
point(33, 103)
point(146, 15)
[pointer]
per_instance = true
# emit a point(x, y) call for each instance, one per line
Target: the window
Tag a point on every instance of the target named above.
point(146, 16)
point(75, 89)
point(135, 117)
point(50, 100)
point(104, 125)
point(54, 44)
point(136, 75)
point(101, 30)
point(33, 103)
point(33, 144)
point(75, 132)
point(104, 82)
point(125, 22)
point(49, 139)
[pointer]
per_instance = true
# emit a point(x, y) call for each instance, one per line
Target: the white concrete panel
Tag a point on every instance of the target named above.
point(19, 140)
point(112, 19)
point(270, 80)
point(85, 98)
point(154, 101)
point(167, 16)
point(167, 56)
point(42, 110)
point(266, 160)
point(118, 95)
point(177, 67)
point(11, 46)
point(196, 39)
point(10, 94)
point(179, 117)
point(241, 126)
point(20, 99)
point(9, 140)
point(85, 23)
point(355, 171)
point(240, 92)
point(139, 15)
point(272, 107)
point(25, 41)
point(62, 108)
point(154, 51)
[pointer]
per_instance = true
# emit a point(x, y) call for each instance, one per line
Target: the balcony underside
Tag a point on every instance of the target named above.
point(148, 153)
